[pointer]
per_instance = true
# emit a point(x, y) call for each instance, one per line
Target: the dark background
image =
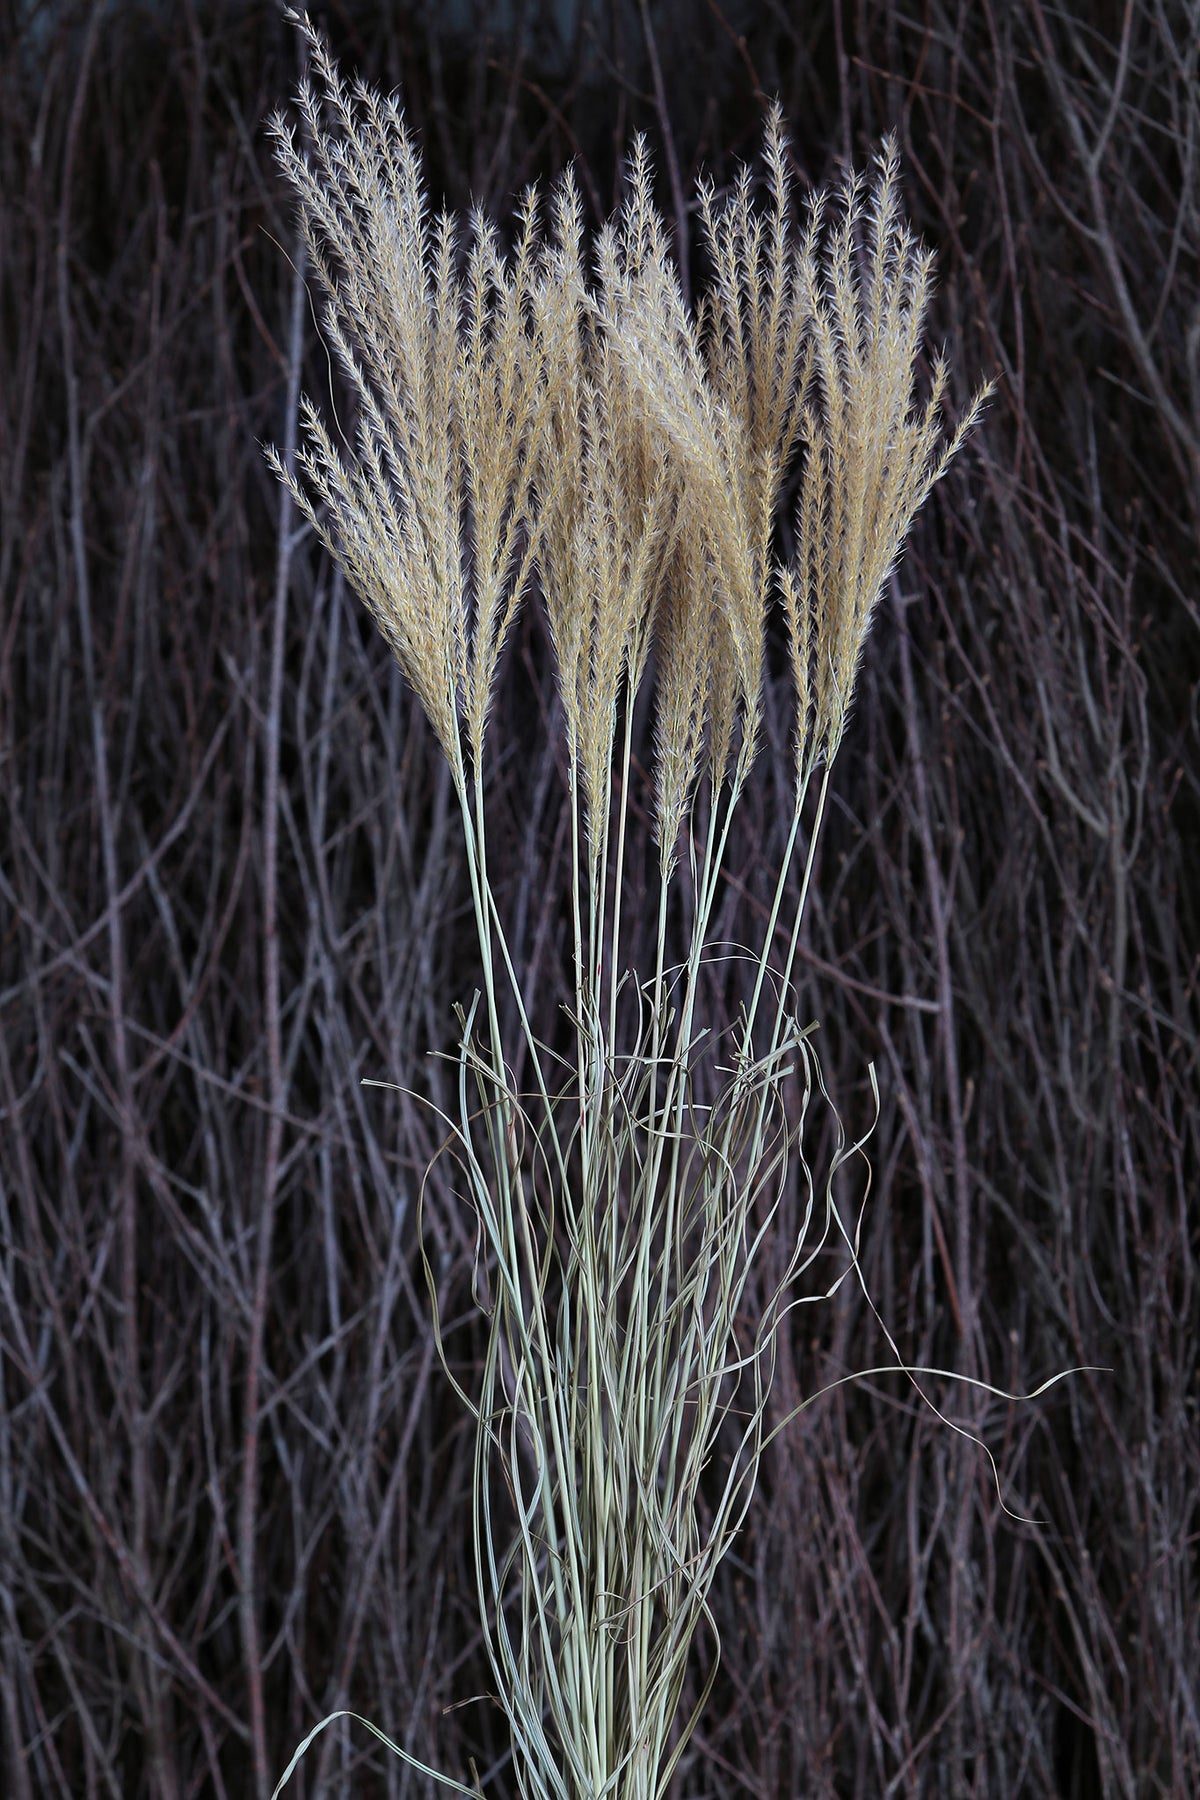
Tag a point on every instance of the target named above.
point(233, 1480)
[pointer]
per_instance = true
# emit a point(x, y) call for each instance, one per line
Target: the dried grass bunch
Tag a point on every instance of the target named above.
point(542, 420)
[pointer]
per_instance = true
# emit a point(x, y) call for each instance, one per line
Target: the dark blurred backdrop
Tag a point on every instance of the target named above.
point(233, 1480)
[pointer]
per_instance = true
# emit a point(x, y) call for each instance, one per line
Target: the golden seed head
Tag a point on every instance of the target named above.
point(512, 414)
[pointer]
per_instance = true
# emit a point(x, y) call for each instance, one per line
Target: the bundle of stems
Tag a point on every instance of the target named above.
point(547, 421)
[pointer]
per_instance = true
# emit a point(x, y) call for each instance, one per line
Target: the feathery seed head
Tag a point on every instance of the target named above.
point(513, 412)
point(871, 457)
point(451, 377)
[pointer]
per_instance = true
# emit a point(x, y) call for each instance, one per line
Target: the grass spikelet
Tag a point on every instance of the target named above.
point(686, 674)
point(449, 377)
point(872, 457)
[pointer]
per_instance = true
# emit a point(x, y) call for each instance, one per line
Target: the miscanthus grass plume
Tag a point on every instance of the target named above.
point(548, 424)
